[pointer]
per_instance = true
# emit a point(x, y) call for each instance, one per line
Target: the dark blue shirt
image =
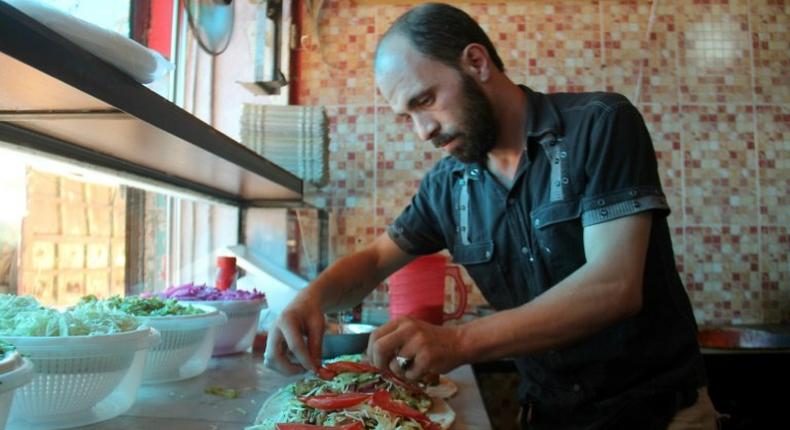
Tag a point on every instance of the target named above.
point(589, 159)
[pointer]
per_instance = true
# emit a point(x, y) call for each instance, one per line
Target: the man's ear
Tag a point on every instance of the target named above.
point(476, 62)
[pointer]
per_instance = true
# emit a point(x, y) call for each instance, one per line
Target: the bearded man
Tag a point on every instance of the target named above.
point(553, 204)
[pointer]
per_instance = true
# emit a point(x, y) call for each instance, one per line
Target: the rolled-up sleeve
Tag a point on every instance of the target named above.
point(621, 168)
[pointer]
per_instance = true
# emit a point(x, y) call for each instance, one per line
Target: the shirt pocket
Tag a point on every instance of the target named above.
point(478, 258)
point(559, 236)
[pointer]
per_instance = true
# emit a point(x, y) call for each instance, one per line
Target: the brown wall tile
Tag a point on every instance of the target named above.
point(721, 273)
point(771, 42)
point(714, 52)
point(773, 143)
point(640, 50)
point(720, 164)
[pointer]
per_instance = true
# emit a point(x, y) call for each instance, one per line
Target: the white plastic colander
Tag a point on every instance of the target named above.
point(15, 371)
point(79, 380)
point(187, 341)
point(238, 333)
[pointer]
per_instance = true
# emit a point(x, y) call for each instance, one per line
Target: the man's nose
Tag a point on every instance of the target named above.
point(425, 126)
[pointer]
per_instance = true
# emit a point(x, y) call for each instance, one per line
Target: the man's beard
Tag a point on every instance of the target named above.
point(480, 129)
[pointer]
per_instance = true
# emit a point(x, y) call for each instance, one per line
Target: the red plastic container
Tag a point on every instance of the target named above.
point(417, 290)
point(226, 274)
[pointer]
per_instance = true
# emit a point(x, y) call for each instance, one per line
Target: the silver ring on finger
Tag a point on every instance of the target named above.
point(403, 362)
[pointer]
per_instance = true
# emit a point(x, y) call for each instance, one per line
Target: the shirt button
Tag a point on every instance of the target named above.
point(524, 250)
point(556, 161)
point(537, 221)
point(637, 204)
point(488, 254)
point(604, 212)
point(565, 180)
point(601, 202)
point(577, 388)
point(563, 154)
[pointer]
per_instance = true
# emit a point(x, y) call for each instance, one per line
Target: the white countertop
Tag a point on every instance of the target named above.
point(183, 405)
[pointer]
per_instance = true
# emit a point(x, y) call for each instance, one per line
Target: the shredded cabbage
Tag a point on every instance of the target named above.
point(25, 316)
point(206, 293)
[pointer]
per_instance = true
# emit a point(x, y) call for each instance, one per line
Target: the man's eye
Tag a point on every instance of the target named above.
point(425, 100)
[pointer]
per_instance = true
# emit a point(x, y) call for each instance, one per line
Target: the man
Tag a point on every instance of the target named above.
point(554, 206)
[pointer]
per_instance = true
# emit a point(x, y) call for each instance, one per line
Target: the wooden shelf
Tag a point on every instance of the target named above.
point(58, 98)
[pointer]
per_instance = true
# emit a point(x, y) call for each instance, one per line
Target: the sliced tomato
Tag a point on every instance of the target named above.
point(383, 400)
point(352, 367)
point(332, 401)
point(297, 426)
point(325, 373)
point(412, 388)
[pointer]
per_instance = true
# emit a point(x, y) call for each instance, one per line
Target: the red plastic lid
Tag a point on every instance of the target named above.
point(226, 262)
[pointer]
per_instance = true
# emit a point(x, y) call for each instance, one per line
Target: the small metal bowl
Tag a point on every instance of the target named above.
point(344, 339)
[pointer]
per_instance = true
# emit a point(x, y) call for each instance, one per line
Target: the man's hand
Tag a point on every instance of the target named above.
point(427, 348)
point(297, 333)
point(300, 328)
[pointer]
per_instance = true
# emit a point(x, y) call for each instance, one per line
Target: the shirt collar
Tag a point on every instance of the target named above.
point(472, 171)
point(542, 115)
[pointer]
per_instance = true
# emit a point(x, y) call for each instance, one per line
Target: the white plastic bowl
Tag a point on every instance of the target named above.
point(187, 341)
point(10, 361)
point(79, 380)
point(15, 371)
point(238, 333)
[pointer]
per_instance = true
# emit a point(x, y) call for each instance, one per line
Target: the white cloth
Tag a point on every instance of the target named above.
point(143, 64)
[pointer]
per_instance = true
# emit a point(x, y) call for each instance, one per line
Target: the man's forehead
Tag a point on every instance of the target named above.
point(403, 70)
point(396, 54)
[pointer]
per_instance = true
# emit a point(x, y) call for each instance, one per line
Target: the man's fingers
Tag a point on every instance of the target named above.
point(406, 361)
point(387, 345)
point(379, 332)
point(276, 357)
point(295, 340)
point(315, 335)
point(418, 368)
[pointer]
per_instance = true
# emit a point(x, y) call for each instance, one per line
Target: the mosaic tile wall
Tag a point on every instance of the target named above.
point(712, 79)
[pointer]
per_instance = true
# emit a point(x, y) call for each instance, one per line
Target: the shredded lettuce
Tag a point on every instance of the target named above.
point(146, 306)
point(373, 417)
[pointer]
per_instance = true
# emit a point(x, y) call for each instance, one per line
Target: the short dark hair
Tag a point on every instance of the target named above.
point(441, 31)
